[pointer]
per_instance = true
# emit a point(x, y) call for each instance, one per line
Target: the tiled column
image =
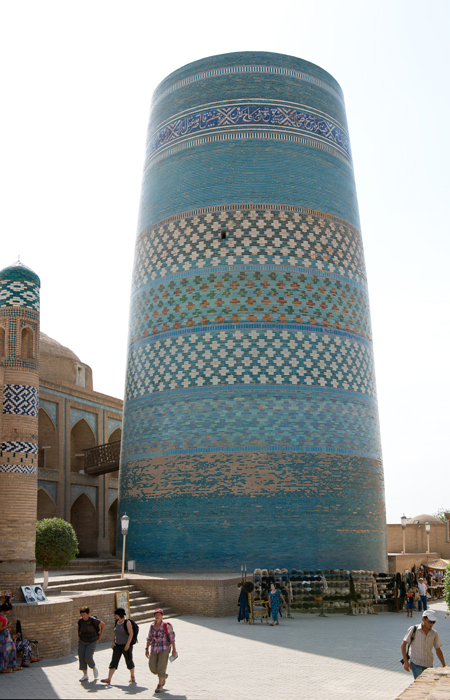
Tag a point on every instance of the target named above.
point(19, 360)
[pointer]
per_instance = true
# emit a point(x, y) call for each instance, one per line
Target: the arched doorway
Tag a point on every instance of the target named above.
point(46, 507)
point(112, 527)
point(84, 520)
point(81, 438)
point(48, 446)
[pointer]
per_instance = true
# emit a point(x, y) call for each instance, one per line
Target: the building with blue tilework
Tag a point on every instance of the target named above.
point(251, 427)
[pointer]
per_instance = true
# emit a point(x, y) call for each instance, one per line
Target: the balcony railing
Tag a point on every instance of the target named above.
point(102, 459)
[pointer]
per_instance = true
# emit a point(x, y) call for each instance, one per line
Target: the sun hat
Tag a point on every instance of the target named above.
point(430, 614)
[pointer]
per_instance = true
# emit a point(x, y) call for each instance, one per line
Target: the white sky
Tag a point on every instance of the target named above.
point(76, 84)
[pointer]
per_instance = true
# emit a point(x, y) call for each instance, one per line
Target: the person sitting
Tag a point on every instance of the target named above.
point(23, 647)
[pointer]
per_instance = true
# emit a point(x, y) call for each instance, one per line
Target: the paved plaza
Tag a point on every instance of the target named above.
point(339, 657)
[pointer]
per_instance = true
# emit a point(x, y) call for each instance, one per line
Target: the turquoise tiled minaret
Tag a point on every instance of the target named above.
point(251, 422)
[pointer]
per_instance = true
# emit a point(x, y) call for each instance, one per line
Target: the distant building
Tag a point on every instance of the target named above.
point(251, 427)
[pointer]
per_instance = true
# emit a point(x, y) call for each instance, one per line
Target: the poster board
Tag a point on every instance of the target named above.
point(123, 601)
point(29, 594)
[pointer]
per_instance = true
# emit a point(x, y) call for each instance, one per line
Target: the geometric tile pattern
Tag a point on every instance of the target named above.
point(18, 469)
point(256, 235)
point(30, 448)
point(19, 293)
point(250, 296)
point(250, 356)
point(20, 400)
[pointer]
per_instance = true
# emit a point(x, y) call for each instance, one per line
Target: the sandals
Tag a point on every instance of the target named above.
point(105, 680)
point(17, 668)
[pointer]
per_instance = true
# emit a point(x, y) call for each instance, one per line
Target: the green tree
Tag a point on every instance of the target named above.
point(447, 586)
point(440, 514)
point(56, 544)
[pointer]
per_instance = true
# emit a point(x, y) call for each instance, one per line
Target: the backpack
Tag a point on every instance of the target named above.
point(135, 627)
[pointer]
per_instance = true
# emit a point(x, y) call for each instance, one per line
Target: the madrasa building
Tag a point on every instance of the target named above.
point(251, 429)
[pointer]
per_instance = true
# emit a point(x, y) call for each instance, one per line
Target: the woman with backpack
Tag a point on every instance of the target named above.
point(160, 638)
point(121, 644)
point(90, 630)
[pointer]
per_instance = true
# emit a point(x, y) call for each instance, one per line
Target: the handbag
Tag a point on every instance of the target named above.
point(409, 645)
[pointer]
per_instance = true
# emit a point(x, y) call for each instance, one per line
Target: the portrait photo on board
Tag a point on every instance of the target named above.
point(28, 594)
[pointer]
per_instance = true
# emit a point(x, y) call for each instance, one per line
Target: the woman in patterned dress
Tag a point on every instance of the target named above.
point(275, 596)
point(8, 658)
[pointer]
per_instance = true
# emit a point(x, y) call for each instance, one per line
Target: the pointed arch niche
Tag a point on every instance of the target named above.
point(81, 438)
point(48, 442)
point(46, 507)
point(115, 435)
point(27, 343)
point(83, 517)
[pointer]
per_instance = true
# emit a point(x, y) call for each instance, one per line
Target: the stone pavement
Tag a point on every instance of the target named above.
point(335, 658)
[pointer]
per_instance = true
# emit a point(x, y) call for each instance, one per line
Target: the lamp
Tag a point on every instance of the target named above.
point(124, 522)
point(427, 530)
point(403, 520)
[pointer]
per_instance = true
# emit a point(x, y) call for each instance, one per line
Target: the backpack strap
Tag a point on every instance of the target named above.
point(166, 632)
point(411, 640)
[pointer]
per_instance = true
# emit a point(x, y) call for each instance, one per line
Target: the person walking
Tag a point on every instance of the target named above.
point(423, 588)
point(90, 630)
point(121, 644)
point(161, 638)
point(422, 639)
point(275, 596)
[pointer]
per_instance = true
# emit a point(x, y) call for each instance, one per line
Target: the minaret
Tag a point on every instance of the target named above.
point(19, 382)
point(250, 421)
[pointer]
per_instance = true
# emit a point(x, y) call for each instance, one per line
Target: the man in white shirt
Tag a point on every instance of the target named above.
point(423, 640)
point(423, 593)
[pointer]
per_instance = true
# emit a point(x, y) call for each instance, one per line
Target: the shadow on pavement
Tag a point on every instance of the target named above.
point(370, 640)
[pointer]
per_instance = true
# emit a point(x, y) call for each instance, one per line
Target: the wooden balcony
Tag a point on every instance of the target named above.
point(102, 459)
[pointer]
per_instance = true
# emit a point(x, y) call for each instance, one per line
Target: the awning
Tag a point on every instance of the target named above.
point(440, 564)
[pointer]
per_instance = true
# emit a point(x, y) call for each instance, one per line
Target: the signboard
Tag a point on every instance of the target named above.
point(123, 601)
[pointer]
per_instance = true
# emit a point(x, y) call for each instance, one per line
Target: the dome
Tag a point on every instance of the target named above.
point(422, 519)
point(21, 272)
point(60, 364)
point(48, 346)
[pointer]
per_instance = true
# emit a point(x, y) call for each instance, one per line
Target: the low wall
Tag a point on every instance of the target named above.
point(432, 684)
point(192, 596)
point(54, 623)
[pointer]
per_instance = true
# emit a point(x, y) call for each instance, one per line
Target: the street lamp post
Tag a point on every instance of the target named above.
point(124, 521)
point(403, 520)
point(428, 528)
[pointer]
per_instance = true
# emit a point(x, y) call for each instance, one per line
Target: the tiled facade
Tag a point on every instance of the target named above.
point(251, 423)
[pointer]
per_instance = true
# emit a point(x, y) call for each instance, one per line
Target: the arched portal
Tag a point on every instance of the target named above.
point(81, 438)
point(84, 520)
point(46, 507)
point(48, 445)
point(112, 527)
